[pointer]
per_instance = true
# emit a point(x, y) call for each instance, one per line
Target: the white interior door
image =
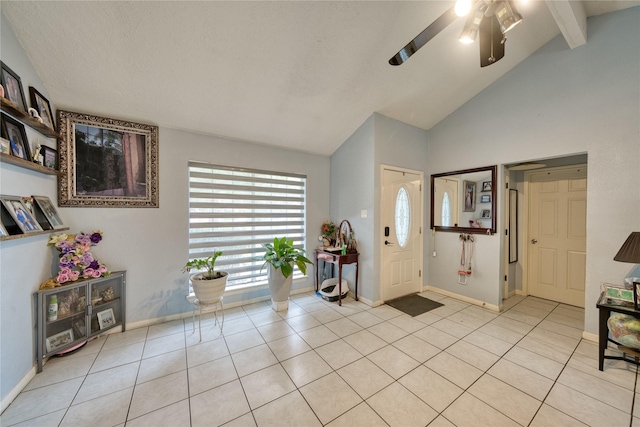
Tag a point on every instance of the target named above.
point(401, 220)
point(557, 234)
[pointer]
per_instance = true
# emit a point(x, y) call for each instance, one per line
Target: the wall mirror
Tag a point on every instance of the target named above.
point(464, 201)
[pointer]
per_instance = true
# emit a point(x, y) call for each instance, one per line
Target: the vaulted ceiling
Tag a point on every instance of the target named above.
point(296, 74)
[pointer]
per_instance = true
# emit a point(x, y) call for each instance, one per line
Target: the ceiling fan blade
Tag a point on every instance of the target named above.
point(491, 41)
point(421, 39)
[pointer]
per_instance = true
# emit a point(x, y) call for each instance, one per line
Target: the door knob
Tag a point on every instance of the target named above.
point(388, 243)
point(534, 241)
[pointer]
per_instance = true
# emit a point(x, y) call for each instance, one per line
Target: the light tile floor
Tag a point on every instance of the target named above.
point(321, 364)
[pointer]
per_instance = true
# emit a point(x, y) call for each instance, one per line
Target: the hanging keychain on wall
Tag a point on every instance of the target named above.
point(466, 254)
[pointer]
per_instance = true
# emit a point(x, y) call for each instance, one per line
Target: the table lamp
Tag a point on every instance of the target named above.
point(630, 252)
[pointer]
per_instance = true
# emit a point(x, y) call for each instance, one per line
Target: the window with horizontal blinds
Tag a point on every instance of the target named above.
point(237, 210)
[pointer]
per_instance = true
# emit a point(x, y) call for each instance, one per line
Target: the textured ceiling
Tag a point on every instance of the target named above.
point(298, 74)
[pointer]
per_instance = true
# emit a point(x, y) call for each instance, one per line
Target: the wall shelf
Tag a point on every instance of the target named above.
point(17, 161)
point(35, 233)
point(24, 117)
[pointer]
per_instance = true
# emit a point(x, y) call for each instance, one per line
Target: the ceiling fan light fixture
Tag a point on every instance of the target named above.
point(462, 7)
point(508, 16)
point(471, 28)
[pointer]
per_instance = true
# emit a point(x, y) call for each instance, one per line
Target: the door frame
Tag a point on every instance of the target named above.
point(380, 233)
point(525, 218)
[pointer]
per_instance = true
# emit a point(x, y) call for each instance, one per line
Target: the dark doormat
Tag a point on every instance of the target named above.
point(414, 304)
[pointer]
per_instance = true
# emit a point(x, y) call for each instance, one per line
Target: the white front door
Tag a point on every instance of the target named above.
point(401, 221)
point(557, 234)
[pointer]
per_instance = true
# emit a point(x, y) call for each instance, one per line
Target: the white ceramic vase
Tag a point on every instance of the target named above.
point(208, 291)
point(280, 288)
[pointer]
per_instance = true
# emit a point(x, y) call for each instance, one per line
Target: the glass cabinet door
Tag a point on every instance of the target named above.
point(106, 304)
point(65, 312)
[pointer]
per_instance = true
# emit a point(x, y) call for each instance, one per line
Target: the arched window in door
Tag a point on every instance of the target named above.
point(402, 217)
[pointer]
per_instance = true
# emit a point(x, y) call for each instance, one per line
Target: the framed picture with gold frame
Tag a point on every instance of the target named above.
point(106, 162)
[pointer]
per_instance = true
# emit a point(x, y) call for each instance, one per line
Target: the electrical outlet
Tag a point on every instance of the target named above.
point(363, 213)
point(434, 254)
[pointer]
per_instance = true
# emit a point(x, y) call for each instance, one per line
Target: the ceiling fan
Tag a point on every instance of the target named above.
point(491, 19)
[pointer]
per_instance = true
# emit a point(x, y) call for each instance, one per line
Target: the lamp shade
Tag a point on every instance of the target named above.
point(630, 250)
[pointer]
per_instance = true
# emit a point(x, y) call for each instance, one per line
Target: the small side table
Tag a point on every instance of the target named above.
point(605, 307)
point(339, 260)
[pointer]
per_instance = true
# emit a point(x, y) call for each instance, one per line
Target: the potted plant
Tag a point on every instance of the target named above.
point(280, 256)
point(208, 285)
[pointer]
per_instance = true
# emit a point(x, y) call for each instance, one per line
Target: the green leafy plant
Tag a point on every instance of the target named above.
point(207, 264)
point(281, 254)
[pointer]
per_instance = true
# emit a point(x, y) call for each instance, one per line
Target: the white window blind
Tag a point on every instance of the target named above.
point(236, 210)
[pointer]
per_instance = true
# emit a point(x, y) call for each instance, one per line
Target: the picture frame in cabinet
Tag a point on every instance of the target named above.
point(106, 162)
point(12, 86)
point(20, 214)
point(49, 156)
point(79, 327)
point(42, 106)
point(44, 206)
point(106, 318)
point(59, 340)
point(14, 131)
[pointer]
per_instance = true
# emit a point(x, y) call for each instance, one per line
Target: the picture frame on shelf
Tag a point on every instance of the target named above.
point(486, 186)
point(43, 205)
point(49, 157)
point(107, 162)
point(5, 146)
point(42, 106)
point(20, 214)
point(12, 85)
point(14, 132)
point(106, 318)
point(485, 198)
point(486, 213)
point(469, 196)
point(59, 340)
point(3, 231)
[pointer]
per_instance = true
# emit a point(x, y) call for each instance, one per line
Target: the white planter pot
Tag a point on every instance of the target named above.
point(208, 291)
point(280, 288)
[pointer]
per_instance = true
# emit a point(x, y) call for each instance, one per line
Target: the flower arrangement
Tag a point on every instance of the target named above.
point(329, 229)
point(75, 259)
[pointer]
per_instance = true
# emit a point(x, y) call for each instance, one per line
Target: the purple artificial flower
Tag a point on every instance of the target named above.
point(94, 264)
point(96, 238)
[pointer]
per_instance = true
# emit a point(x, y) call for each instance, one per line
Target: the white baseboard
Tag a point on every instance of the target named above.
point(17, 389)
point(521, 292)
point(367, 301)
point(590, 337)
point(473, 301)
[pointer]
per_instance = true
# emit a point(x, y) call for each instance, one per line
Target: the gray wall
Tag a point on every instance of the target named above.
point(557, 102)
point(355, 186)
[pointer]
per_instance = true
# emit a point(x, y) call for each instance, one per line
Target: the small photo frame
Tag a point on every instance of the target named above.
point(3, 231)
point(5, 146)
point(49, 156)
point(469, 196)
point(20, 214)
point(44, 205)
point(12, 86)
point(79, 327)
point(59, 340)
point(485, 198)
point(486, 186)
point(106, 318)
point(14, 131)
point(486, 213)
point(41, 104)
point(619, 294)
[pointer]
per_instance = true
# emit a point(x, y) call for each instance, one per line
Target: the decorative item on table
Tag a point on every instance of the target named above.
point(328, 233)
point(37, 156)
point(34, 113)
point(630, 252)
point(75, 259)
point(617, 294)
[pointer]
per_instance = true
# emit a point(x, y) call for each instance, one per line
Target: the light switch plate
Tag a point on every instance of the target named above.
point(363, 213)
